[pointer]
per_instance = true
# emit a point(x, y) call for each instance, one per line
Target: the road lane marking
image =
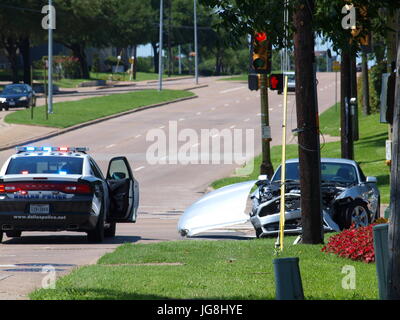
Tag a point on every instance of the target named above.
point(110, 146)
point(215, 136)
point(198, 113)
point(232, 89)
point(226, 105)
point(8, 266)
point(182, 119)
point(138, 169)
point(212, 109)
point(247, 120)
point(237, 101)
point(195, 145)
point(138, 136)
point(162, 127)
point(232, 127)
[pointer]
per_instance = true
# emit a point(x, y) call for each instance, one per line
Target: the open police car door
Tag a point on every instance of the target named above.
point(124, 191)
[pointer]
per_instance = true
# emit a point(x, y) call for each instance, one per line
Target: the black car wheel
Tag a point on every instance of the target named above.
point(13, 234)
point(356, 213)
point(111, 230)
point(97, 234)
point(258, 232)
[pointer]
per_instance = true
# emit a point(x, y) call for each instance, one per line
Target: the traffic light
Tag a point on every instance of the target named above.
point(276, 82)
point(261, 53)
point(254, 81)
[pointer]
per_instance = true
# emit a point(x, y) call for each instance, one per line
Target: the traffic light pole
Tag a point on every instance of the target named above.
point(266, 165)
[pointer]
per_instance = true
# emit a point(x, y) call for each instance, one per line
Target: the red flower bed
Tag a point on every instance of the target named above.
point(354, 243)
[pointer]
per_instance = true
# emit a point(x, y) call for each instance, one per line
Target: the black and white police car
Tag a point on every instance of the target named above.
point(62, 188)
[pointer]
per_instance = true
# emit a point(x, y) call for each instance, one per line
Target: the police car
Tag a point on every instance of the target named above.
point(62, 188)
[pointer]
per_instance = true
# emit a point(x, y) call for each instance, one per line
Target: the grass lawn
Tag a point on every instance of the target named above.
point(67, 114)
point(369, 150)
point(232, 270)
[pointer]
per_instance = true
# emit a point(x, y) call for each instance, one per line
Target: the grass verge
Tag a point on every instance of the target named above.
point(67, 114)
point(232, 270)
point(369, 150)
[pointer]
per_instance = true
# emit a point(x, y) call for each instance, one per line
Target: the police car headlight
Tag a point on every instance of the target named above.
point(23, 99)
point(2, 100)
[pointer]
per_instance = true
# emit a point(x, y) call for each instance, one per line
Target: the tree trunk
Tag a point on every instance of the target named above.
point(307, 123)
point(365, 86)
point(11, 49)
point(25, 50)
point(155, 56)
point(347, 146)
point(78, 51)
point(393, 285)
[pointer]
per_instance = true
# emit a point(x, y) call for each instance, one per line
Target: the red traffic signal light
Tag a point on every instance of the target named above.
point(261, 53)
point(276, 82)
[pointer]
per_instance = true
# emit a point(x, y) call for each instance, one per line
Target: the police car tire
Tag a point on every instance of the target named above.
point(97, 234)
point(110, 231)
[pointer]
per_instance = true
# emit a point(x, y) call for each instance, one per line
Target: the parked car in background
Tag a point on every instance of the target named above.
point(17, 96)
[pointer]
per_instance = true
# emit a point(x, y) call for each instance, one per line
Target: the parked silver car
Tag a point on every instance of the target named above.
point(348, 197)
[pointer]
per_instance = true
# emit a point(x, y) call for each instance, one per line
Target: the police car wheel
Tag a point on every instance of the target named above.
point(110, 231)
point(97, 234)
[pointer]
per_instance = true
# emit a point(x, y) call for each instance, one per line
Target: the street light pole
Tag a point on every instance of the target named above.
point(50, 53)
point(196, 58)
point(160, 46)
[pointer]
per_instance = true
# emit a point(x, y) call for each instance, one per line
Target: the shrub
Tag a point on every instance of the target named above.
point(354, 243)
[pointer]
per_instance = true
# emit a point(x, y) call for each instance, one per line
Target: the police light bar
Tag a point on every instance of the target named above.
point(52, 149)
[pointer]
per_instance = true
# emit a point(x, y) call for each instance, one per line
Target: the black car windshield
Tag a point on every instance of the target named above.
point(15, 90)
point(45, 165)
point(330, 172)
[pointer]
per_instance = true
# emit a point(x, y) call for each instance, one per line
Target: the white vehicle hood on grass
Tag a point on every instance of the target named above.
point(219, 208)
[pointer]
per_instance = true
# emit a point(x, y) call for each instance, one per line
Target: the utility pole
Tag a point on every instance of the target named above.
point(347, 142)
point(160, 47)
point(50, 53)
point(196, 50)
point(393, 286)
point(266, 165)
point(365, 85)
point(307, 123)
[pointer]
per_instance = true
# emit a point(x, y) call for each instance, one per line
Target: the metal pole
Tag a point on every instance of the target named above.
point(196, 58)
point(180, 59)
point(160, 62)
point(50, 53)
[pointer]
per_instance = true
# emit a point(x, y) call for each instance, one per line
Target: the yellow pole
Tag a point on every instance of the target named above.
point(283, 168)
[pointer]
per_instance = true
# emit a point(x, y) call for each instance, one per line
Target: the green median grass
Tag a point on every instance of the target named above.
point(369, 151)
point(67, 114)
point(209, 270)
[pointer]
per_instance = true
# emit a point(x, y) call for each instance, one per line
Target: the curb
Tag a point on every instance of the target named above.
point(92, 122)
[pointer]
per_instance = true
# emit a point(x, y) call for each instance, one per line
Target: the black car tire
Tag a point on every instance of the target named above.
point(97, 234)
point(258, 232)
point(347, 214)
point(13, 234)
point(111, 230)
point(6, 108)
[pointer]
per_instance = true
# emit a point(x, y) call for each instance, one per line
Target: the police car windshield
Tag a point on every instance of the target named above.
point(45, 165)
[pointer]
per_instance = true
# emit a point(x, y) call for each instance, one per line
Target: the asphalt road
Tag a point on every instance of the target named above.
point(166, 189)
